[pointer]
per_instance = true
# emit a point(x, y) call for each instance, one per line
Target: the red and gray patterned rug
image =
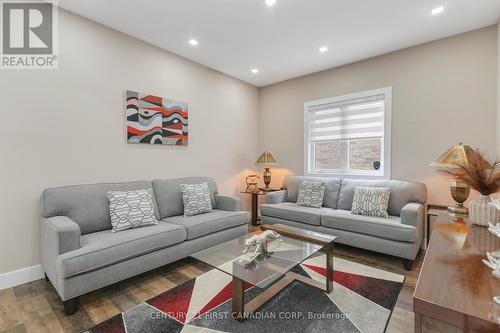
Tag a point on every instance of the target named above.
point(361, 301)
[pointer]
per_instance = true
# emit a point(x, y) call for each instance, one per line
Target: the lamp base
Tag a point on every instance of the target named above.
point(458, 212)
point(267, 179)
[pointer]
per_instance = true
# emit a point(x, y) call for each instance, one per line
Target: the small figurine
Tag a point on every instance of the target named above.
point(493, 262)
point(252, 183)
point(260, 242)
point(494, 229)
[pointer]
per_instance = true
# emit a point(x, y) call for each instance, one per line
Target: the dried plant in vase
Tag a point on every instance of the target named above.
point(484, 177)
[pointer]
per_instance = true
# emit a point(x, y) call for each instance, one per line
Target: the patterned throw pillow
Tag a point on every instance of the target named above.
point(131, 209)
point(311, 194)
point(371, 201)
point(196, 198)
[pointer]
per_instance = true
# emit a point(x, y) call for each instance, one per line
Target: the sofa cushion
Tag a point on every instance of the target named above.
point(196, 199)
point(371, 201)
point(131, 209)
point(293, 212)
point(332, 187)
point(208, 223)
point(169, 196)
point(402, 192)
point(311, 194)
point(103, 248)
point(87, 205)
point(389, 228)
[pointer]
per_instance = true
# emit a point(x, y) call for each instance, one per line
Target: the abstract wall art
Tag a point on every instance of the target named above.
point(156, 120)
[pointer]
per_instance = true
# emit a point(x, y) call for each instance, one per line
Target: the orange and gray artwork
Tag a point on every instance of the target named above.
point(156, 120)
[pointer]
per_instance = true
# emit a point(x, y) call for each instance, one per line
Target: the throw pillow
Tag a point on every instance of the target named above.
point(311, 194)
point(131, 209)
point(371, 201)
point(196, 199)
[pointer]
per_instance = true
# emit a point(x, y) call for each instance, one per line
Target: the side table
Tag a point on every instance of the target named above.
point(435, 211)
point(255, 203)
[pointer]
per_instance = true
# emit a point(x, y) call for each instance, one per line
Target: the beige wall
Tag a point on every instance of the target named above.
point(66, 126)
point(444, 92)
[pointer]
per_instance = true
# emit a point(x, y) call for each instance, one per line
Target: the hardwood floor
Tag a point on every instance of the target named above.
point(36, 307)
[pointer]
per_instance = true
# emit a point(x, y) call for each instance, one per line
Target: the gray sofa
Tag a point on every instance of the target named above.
point(79, 254)
point(400, 235)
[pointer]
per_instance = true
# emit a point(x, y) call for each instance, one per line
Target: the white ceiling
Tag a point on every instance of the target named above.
point(282, 41)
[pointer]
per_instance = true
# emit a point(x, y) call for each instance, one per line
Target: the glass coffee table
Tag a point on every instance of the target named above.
point(271, 270)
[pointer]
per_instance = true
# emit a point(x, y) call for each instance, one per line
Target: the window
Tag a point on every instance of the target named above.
point(349, 135)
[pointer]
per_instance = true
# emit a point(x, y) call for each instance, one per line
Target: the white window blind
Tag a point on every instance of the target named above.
point(361, 118)
point(349, 135)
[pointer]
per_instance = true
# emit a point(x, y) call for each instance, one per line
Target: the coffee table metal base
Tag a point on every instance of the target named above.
point(241, 311)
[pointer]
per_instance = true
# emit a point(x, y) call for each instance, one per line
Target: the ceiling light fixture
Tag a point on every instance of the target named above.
point(255, 71)
point(270, 3)
point(193, 42)
point(437, 10)
point(323, 49)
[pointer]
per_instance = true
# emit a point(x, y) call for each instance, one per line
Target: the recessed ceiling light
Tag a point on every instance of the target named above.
point(255, 71)
point(323, 49)
point(193, 42)
point(270, 2)
point(437, 10)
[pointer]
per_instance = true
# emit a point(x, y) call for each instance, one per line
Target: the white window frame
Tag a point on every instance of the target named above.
point(387, 92)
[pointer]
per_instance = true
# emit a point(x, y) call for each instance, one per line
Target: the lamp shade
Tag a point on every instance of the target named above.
point(457, 155)
point(266, 158)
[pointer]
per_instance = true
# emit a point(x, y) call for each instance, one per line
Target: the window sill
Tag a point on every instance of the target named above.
point(347, 175)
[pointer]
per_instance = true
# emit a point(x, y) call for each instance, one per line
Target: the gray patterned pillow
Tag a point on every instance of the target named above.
point(196, 199)
point(371, 201)
point(131, 209)
point(311, 194)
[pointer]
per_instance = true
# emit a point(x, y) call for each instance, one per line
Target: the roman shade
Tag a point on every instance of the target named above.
point(351, 119)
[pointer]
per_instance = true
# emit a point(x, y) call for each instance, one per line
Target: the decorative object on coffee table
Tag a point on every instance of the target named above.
point(260, 242)
point(450, 162)
point(267, 159)
point(484, 177)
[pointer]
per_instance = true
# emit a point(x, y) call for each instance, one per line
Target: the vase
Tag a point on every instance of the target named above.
point(481, 211)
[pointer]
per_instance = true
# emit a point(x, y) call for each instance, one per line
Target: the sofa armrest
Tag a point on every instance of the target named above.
point(59, 234)
point(276, 197)
point(227, 203)
point(413, 214)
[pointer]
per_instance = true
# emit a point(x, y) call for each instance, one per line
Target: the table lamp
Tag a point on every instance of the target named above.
point(266, 159)
point(457, 155)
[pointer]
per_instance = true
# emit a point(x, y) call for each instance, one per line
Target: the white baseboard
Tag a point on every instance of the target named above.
point(23, 275)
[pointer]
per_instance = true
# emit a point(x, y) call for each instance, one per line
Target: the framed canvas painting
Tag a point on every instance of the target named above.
point(156, 120)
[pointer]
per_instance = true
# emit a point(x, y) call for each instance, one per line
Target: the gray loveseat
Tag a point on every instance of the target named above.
point(79, 254)
point(399, 235)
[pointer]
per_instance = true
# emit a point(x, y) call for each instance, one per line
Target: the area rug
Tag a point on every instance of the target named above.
point(361, 301)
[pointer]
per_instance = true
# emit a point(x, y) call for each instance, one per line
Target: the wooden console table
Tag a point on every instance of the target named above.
point(455, 289)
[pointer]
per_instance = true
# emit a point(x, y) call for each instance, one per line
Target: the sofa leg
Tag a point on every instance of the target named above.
point(46, 278)
point(408, 264)
point(70, 306)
